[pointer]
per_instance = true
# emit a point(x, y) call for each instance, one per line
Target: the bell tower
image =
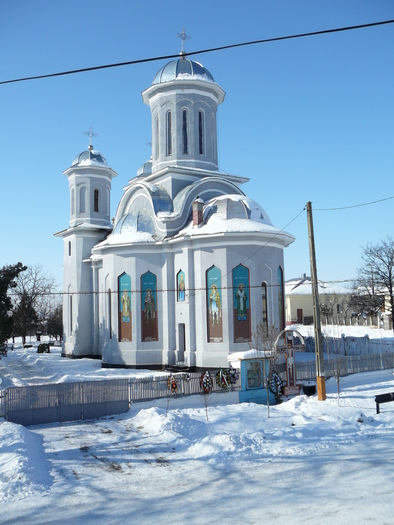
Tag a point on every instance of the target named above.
point(89, 179)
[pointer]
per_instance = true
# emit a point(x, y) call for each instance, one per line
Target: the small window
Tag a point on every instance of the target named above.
point(82, 200)
point(254, 374)
point(72, 202)
point(96, 200)
point(185, 132)
point(201, 133)
point(169, 134)
point(69, 248)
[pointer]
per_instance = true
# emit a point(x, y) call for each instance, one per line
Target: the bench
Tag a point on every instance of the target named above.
point(383, 398)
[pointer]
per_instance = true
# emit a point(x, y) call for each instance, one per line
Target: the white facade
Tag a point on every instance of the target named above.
point(191, 266)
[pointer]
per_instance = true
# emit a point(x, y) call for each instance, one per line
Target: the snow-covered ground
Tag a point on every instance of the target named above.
point(310, 461)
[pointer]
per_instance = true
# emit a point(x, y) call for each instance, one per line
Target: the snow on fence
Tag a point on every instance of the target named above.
point(39, 404)
point(49, 403)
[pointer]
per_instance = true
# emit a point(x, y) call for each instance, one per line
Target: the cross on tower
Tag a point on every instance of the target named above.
point(184, 37)
point(90, 135)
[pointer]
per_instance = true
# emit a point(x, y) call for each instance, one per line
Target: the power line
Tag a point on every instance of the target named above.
point(354, 205)
point(200, 52)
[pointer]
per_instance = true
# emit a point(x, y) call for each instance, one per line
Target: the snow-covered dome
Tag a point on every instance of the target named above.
point(183, 68)
point(239, 207)
point(90, 157)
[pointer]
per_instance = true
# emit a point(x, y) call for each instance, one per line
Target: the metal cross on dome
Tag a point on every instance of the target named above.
point(184, 37)
point(90, 135)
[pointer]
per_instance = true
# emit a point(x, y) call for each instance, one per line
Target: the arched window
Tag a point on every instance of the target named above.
point(96, 200)
point(69, 248)
point(281, 304)
point(181, 286)
point(82, 200)
point(201, 133)
point(185, 132)
point(169, 133)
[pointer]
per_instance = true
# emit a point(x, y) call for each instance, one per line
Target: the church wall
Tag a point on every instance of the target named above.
point(78, 331)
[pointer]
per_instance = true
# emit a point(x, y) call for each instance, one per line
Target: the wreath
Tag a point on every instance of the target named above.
point(276, 384)
point(223, 378)
point(206, 382)
point(233, 374)
point(172, 384)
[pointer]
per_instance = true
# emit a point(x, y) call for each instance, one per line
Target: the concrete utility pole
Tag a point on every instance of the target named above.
point(320, 379)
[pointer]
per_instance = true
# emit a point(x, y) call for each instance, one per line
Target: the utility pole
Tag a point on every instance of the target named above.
point(320, 379)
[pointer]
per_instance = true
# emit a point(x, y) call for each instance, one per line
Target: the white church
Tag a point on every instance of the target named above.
point(190, 265)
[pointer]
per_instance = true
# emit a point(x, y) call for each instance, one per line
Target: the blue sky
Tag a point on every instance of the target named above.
point(310, 119)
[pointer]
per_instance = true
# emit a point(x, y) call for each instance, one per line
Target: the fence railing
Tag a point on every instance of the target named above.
point(38, 404)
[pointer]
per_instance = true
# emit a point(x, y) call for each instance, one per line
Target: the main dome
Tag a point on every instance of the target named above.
point(183, 68)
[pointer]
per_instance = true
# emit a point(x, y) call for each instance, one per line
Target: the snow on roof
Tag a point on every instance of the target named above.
point(250, 354)
point(303, 286)
point(233, 213)
point(128, 237)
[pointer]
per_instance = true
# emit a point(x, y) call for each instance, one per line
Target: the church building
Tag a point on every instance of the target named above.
point(191, 265)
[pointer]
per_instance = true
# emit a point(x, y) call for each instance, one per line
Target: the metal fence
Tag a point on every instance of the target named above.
point(49, 403)
point(39, 404)
point(344, 365)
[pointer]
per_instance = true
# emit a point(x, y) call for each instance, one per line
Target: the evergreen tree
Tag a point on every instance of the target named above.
point(8, 276)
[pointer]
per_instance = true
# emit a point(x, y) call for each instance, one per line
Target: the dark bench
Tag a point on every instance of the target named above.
point(383, 398)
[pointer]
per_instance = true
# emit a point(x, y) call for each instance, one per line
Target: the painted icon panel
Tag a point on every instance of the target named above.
point(149, 320)
point(124, 314)
point(241, 290)
point(214, 305)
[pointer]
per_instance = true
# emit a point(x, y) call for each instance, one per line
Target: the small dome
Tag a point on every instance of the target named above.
point(90, 157)
point(183, 68)
point(229, 207)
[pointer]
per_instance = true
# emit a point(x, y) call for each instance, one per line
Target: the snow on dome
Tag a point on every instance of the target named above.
point(90, 157)
point(232, 213)
point(183, 68)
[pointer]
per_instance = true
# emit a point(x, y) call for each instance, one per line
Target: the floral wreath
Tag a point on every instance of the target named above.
point(233, 374)
point(172, 383)
point(276, 384)
point(223, 378)
point(206, 382)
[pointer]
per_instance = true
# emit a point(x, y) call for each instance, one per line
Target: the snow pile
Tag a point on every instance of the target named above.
point(23, 466)
point(190, 460)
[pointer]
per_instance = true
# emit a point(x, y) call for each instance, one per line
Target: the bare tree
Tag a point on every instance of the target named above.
point(375, 279)
point(33, 301)
point(264, 337)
